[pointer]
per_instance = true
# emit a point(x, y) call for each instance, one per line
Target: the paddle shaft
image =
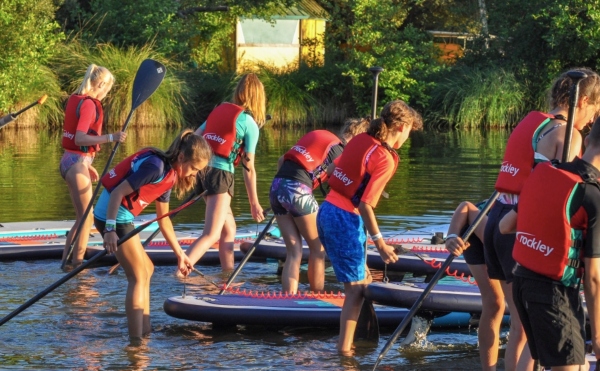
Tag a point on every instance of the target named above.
point(155, 233)
point(11, 116)
point(89, 262)
point(576, 76)
point(436, 277)
point(247, 256)
point(375, 71)
point(147, 79)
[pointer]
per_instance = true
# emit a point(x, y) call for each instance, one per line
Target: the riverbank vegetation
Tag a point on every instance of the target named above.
point(506, 62)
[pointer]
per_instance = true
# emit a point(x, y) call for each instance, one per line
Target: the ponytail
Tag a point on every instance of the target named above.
point(93, 74)
point(393, 115)
point(378, 129)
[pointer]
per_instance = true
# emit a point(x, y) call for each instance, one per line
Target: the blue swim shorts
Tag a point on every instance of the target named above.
point(343, 235)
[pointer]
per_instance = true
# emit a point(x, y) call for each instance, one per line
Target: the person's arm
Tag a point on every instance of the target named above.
point(368, 216)
point(116, 196)
point(508, 224)
point(591, 286)
point(184, 263)
point(250, 182)
point(454, 243)
point(87, 115)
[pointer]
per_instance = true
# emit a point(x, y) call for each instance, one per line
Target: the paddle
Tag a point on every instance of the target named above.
point(434, 280)
point(367, 325)
point(148, 78)
point(155, 233)
point(92, 260)
point(247, 256)
point(11, 116)
point(576, 76)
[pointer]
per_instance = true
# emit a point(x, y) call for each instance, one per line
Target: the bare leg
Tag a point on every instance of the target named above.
point(350, 314)
point(217, 207)
point(226, 243)
point(293, 245)
point(490, 322)
point(307, 225)
point(138, 269)
point(80, 190)
point(517, 339)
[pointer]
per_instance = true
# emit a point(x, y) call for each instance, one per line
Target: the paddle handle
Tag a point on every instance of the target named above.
point(11, 116)
point(576, 76)
point(436, 277)
point(375, 71)
point(247, 256)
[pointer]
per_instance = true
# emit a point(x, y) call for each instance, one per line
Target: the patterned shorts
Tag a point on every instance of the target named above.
point(71, 158)
point(292, 196)
point(343, 236)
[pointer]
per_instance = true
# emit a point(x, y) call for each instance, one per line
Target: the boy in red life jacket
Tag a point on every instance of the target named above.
point(82, 136)
point(232, 130)
point(557, 235)
point(357, 182)
point(301, 170)
point(147, 176)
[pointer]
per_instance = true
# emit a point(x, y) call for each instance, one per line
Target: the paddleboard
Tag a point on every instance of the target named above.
point(420, 259)
point(17, 243)
point(280, 310)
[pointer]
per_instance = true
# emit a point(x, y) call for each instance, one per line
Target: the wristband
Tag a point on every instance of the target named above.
point(110, 223)
point(110, 137)
point(375, 237)
point(451, 235)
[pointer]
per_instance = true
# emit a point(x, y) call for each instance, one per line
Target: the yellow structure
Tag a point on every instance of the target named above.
point(294, 36)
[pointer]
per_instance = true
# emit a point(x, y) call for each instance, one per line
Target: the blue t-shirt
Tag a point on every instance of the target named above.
point(246, 129)
point(148, 170)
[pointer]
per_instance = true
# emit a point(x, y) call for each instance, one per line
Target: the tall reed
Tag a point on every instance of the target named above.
point(471, 97)
point(163, 108)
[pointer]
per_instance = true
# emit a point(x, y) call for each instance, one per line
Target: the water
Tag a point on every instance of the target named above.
point(82, 324)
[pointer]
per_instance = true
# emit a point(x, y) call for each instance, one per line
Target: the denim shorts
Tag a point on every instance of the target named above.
point(292, 196)
point(343, 235)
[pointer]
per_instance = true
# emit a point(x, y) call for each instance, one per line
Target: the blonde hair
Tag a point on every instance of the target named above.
point(354, 126)
point(250, 94)
point(93, 74)
point(394, 115)
point(194, 149)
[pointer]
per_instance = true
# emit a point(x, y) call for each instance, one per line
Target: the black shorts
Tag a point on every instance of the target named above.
point(498, 247)
point(122, 229)
point(553, 320)
point(215, 181)
point(474, 253)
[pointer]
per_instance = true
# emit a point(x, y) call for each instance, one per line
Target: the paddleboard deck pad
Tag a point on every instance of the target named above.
point(279, 310)
point(443, 297)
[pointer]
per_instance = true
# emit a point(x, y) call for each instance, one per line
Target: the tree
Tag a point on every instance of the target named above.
point(28, 35)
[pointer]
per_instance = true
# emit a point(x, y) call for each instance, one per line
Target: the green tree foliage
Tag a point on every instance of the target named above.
point(28, 35)
point(366, 33)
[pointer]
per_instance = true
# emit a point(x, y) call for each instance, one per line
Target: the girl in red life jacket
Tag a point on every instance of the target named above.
point(538, 137)
point(232, 130)
point(81, 140)
point(176, 168)
point(301, 170)
point(365, 167)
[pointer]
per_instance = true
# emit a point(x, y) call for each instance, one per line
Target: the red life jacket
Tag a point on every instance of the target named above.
point(519, 154)
point(220, 132)
point(350, 177)
point(311, 153)
point(549, 238)
point(70, 125)
point(136, 201)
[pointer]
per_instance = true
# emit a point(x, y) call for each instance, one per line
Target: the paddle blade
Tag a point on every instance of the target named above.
point(147, 79)
point(367, 326)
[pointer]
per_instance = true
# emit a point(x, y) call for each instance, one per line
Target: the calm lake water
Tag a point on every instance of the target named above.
point(82, 324)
